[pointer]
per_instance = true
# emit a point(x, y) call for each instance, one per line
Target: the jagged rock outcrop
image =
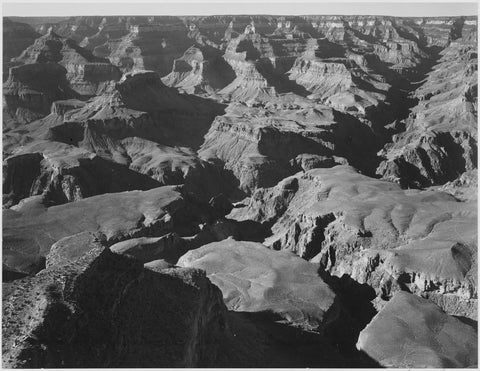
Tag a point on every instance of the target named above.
point(142, 124)
point(169, 248)
point(147, 47)
point(71, 248)
point(339, 83)
point(376, 233)
point(87, 74)
point(199, 71)
point(188, 72)
point(31, 88)
point(126, 139)
point(99, 311)
point(253, 278)
point(30, 228)
point(412, 332)
point(77, 28)
point(250, 85)
point(440, 140)
point(139, 105)
point(108, 28)
point(261, 146)
point(64, 178)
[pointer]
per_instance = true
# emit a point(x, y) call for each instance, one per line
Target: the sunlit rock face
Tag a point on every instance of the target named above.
point(240, 191)
point(440, 140)
point(376, 233)
point(87, 75)
point(399, 336)
point(277, 282)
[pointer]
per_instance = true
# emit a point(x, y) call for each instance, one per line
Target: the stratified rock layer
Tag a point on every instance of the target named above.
point(376, 233)
point(440, 141)
point(30, 229)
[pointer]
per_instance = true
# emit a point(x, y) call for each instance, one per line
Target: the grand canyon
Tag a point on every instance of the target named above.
point(239, 191)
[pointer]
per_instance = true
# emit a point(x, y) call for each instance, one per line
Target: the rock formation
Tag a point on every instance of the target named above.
point(30, 228)
point(147, 47)
point(130, 134)
point(96, 311)
point(16, 37)
point(263, 145)
point(376, 233)
point(318, 173)
point(439, 142)
point(87, 75)
point(31, 88)
point(413, 332)
point(199, 71)
point(253, 278)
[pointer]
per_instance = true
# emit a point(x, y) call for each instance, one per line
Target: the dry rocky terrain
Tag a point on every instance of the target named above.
point(240, 191)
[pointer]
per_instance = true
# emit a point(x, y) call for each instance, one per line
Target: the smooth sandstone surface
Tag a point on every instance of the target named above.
point(413, 332)
point(253, 278)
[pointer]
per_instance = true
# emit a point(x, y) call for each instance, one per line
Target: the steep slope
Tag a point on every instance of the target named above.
point(77, 28)
point(187, 73)
point(99, 310)
point(339, 82)
point(53, 68)
point(135, 134)
point(201, 70)
point(108, 28)
point(376, 233)
point(147, 47)
point(263, 145)
point(16, 37)
point(440, 141)
point(139, 105)
point(31, 88)
point(219, 149)
point(30, 228)
point(249, 85)
point(66, 174)
point(86, 73)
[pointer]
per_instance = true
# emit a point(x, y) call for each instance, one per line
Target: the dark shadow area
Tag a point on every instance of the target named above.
point(468, 321)
point(356, 299)
point(9, 275)
point(219, 73)
point(171, 127)
point(352, 138)
point(263, 340)
point(247, 46)
point(328, 49)
point(280, 81)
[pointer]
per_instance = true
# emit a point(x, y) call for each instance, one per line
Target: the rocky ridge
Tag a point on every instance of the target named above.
point(374, 232)
point(56, 320)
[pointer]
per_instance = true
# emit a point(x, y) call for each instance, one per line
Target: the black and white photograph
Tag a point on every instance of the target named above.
point(239, 184)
